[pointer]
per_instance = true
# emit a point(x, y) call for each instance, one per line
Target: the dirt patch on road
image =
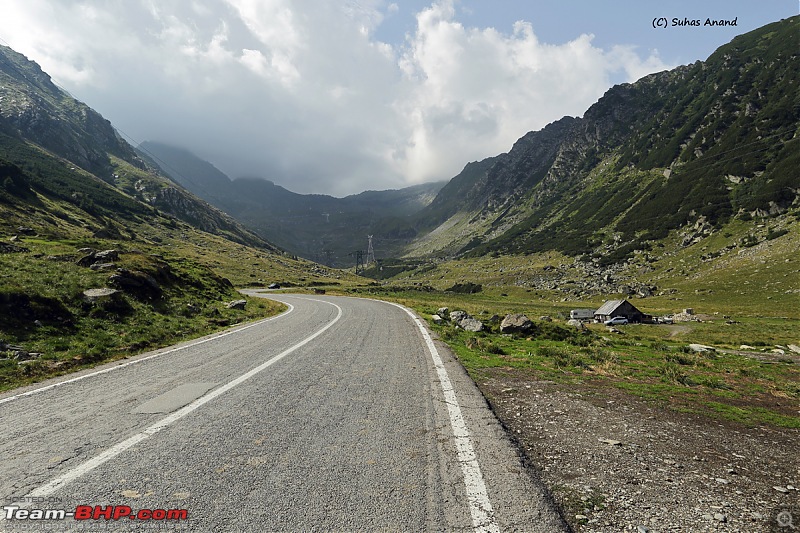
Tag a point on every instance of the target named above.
point(617, 463)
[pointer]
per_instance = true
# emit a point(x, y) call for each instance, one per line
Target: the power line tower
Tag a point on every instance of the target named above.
point(359, 255)
point(370, 252)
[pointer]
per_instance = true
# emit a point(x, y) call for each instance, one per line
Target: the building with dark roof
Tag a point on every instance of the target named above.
point(624, 308)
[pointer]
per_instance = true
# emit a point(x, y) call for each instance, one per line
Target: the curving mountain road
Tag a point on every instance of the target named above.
point(338, 415)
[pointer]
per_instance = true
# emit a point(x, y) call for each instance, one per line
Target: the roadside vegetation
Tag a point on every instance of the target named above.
point(49, 327)
point(746, 297)
point(652, 362)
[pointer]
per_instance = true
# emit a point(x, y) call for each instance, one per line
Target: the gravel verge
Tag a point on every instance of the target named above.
point(617, 463)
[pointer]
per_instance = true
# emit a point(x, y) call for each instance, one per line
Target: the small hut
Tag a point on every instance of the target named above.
point(624, 308)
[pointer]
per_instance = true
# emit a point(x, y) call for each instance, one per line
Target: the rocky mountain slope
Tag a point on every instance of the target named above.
point(690, 147)
point(315, 226)
point(34, 112)
point(101, 255)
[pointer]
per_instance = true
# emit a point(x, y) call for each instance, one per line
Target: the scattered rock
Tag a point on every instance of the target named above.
point(471, 324)
point(236, 304)
point(103, 266)
point(455, 316)
point(516, 323)
point(319, 291)
point(107, 256)
point(701, 348)
point(794, 348)
point(545, 319)
point(443, 311)
point(575, 323)
point(95, 295)
point(22, 355)
point(11, 248)
point(783, 490)
point(746, 347)
point(437, 319)
point(92, 256)
point(274, 286)
point(612, 442)
point(138, 283)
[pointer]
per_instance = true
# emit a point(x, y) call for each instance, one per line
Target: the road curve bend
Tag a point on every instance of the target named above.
point(342, 414)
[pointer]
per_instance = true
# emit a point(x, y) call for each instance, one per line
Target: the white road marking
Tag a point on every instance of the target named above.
point(136, 361)
point(480, 507)
point(49, 488)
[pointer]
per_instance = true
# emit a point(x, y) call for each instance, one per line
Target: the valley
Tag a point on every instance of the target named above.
point(678, 193)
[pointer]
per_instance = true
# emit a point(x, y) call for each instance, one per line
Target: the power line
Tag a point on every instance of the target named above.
point(370, 252)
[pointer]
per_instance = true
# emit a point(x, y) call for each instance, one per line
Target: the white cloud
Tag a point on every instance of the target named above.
point(475, 91)
point(303, 93)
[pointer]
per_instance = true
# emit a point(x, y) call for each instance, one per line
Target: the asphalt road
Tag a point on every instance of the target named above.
point(338, 415)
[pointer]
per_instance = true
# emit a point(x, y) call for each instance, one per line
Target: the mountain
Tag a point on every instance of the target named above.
point(693, 146)
point(318, 227)
point(37, 116)
point(102, 255)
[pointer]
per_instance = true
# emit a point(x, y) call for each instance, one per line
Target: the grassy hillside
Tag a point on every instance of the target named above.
point(51, 213)
point(159, 265)
point(743, 283)
point(704, 143)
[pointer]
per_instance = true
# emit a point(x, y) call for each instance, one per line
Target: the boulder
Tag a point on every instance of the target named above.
point(98, 295)
point(701, 348)
point(106, 256)
point(443, 311)
point(139, 283)
point(86, 260)
point(471, 324)
point(11, 248)
point(236, 304)
point(436, 319)
point(455, 316)
point(575, 323)
point(516, 323)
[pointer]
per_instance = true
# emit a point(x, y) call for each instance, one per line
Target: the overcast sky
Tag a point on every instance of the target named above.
point(338, 97)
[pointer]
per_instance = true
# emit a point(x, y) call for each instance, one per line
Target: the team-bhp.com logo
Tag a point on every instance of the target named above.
point(94, 512)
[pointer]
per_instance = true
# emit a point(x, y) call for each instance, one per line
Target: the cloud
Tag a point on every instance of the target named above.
point(476, 90)
point(304, 93)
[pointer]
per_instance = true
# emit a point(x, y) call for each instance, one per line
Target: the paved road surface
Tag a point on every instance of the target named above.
point(335, 416)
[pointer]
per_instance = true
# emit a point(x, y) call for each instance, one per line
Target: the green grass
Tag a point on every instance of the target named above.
point(646, 361)
point(43, 311)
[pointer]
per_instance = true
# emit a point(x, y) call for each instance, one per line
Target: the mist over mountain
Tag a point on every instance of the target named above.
point(42, 127)
point(315, 226)
point(696, 145)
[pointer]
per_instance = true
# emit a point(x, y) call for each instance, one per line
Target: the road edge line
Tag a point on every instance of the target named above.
point(481, 511)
